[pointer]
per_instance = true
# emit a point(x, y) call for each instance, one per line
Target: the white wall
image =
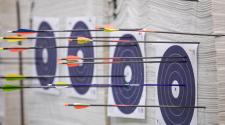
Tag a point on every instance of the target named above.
point(205, 16)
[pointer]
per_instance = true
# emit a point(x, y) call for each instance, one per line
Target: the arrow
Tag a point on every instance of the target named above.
point(13, 77)
point(76, 64)
point(21, 49)
point(13, 38)
point(113, 29)
point(79, 38)
point(62, 84)
point(76, 58)
point(12, 87)
point(84, 40)
point(85, 105)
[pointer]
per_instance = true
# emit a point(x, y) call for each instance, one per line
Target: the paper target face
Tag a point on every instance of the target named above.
point(46, 58)
point(178, 73)
point(134, 74)
point(83, 69)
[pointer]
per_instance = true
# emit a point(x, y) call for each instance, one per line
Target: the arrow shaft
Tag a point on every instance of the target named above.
point(118, 62)
point(25, 87)
point(85, 85)
point(149, 106)
point(145, 106)
point(135, 42)
point(115, 85)
point(74, 38)
point(33, 77)
point(128, 58)
point(81, 46)
point(124, 29)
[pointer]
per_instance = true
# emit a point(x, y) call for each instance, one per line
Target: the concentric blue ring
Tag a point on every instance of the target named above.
point(129, 95)
point(49, 67)
point(88, 52)
point(183, 74)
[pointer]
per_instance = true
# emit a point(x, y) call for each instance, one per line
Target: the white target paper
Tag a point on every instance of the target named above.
point(139, 112)
point(54, 24)
point(192, 51)
point(71, 92)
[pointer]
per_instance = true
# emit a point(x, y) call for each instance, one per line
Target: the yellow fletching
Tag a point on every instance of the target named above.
point(61, 83)
point(14, 38)
point(1, 48)
point(83, 40)
point(109, 29)
point(13, 75)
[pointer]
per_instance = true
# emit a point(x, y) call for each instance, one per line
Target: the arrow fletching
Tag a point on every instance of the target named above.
point(72, 58)
point(83, 40)
point(60, 85)
point(10, 87)
point(73, 65)
point(109, 28)
point(16, 50)
point(23, 31)
point(13, 77)
point(14, 38)
point(69, 63)
point(78, 105)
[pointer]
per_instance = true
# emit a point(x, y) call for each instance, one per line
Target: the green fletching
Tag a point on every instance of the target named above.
point(10, 87)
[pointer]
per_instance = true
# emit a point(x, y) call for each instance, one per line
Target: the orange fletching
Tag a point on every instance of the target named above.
point(17, 49)
point(81, 106)
point(73, 65)
point(71, 57)
point(24, 33)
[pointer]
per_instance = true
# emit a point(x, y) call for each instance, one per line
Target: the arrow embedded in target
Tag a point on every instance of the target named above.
point(113, 29)
point(13, 87)
point(85, 40)
point(14, 77)
point(21, 49)
point(75, 63)
point(79, 39)
point(77, 58)
point(86, 105)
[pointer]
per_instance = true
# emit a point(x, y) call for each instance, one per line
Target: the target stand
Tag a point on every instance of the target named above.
point(134, 74)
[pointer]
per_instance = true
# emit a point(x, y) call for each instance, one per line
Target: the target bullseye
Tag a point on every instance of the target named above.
point(175, 89)
point(128, 74)
point(81, 55)
point(45, 55)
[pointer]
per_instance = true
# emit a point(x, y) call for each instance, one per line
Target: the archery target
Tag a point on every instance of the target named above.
point(83, 69)
point(46, 59)
point(134, 74)
point(177, 73)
